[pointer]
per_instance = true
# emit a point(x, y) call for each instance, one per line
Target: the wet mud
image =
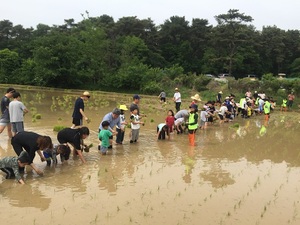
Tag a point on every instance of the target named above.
point(234, 175)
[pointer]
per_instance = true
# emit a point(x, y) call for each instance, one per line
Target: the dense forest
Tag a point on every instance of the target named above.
point(136, 54)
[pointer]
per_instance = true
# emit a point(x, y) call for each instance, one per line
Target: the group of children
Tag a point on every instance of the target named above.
point(106, 136)
point(227, 111)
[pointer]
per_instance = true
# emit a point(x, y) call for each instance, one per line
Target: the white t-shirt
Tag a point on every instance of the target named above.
point(16, 111)
point(135, 118)
point(261, 102)
point(160, 126)
point(122, 120)
point(222, 110)
point(179, 121)
point(177, 97)
point(203, 115)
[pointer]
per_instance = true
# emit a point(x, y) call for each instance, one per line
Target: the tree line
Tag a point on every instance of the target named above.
point(136, 54)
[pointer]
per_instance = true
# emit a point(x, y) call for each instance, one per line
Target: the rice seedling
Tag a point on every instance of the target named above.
point(58, 128)
point(96, 218)
point(38, 116)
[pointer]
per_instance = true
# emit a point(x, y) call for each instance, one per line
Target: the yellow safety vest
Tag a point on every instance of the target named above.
point(192, 120)
point(267, 107)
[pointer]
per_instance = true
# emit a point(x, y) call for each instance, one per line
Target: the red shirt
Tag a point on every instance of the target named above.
point(170, 121)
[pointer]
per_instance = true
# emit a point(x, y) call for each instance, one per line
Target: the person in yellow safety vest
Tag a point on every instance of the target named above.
point(193, 123)
point(242, 107)
point(267, 109)
point(283, 105)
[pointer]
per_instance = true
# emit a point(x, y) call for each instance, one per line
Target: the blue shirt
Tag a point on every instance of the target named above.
point(112, 122)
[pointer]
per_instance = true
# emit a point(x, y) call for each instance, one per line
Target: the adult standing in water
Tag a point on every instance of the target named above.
point(31, 142)
point(219, 98)
point(114, 120)
point(135, 105)
point(78, 112)
point(75, 138)
point(177, 99)
point(291, 98)
point(4, 120)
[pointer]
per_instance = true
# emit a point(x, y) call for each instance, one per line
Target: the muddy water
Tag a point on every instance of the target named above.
point(249, 175)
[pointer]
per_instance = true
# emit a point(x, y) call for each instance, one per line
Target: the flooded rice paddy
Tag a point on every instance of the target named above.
point(247, 175)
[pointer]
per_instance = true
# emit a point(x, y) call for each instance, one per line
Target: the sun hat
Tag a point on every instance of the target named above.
point(220, 92)
point(136, 96)
point(196, 97)
point(123, 107)
point(86, 94)
point(176, 89)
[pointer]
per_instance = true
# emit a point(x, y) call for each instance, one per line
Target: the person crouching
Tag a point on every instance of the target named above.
point(10, 165)
point(162, 130)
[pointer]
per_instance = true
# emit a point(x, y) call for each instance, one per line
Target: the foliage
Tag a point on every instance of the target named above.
point(134, 54)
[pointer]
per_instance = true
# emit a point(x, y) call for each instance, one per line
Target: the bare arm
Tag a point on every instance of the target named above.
point(21, 181)
point(25, 111)
point(83, 114)
point(81, 156)
point(41, 155)
point(36, 169)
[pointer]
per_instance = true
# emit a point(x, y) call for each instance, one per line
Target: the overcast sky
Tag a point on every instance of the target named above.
point(283, 14)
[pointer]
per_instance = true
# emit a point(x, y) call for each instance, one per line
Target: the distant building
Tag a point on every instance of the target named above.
point(281, 76)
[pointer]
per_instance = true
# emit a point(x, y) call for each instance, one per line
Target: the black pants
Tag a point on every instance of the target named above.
point(9, 172)
point(177, 106)
point(162, 134)
point(120, 136)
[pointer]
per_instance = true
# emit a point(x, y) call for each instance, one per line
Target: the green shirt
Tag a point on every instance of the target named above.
point(104, 136)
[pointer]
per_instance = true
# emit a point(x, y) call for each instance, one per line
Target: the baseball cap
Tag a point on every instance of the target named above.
point(136, 96)
point(194, 106)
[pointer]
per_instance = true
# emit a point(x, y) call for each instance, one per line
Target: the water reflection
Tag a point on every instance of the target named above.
point(26, 196)
point(189, 161)
point(154, 169)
